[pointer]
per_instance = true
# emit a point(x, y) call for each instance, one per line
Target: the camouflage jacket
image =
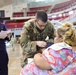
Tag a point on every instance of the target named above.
point(30, 34)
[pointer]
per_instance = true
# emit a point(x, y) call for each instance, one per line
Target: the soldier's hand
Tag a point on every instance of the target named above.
point(41, 43)
point(23, 53)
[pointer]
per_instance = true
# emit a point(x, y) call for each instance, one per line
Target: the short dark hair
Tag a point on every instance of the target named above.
point(41, 15)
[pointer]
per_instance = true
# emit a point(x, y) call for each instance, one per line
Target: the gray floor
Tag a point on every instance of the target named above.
point(14, 60)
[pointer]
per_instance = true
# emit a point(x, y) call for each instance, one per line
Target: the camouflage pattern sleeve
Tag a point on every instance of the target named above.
point(51, 32)
point(27, 45)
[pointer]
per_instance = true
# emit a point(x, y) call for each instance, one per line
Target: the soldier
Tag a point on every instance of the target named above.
point(13, 42)
point(35, 35)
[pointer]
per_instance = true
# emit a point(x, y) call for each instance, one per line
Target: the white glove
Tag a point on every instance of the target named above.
point(3, 34)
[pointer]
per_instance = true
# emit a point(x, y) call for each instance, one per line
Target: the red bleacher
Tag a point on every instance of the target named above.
point(32, 11)
point(57, 7)
point(18, 14)
point(13, 24)
point(62, 6)
point(45, 8)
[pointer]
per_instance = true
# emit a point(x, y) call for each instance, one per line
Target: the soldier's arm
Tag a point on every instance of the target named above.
point(51, 33)
point(26, 44)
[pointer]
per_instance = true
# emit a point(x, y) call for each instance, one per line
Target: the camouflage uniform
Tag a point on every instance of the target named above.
point(30, 34)
point(13, 43)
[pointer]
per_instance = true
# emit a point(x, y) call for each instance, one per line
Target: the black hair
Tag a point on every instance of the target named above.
point(41, 15)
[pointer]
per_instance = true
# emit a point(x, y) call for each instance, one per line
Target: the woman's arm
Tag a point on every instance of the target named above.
point(40, 62)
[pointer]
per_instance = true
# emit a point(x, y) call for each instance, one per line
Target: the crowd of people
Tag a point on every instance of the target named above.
point(56, 57)
point(53, 51)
